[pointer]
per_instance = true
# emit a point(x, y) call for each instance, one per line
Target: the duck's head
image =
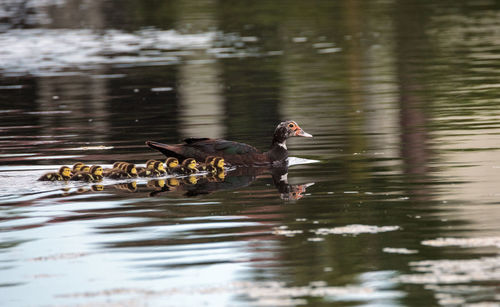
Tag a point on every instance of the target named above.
point(65, 171)
point(96, 170)
point(77, 166)
point(85, 169)
point(172, 162)
point(190, 163)
point(288, 129)
point(158, 165)
point(219, 162)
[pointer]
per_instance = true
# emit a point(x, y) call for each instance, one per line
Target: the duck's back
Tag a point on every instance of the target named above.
point(234, 153)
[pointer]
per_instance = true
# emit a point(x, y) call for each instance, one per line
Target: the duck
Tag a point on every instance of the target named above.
point(64, 173)
point(187, 167)
point(234, 153)
point(93, 175)
point(171, 163)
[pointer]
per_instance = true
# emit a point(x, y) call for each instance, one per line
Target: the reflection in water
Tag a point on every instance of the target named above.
point(198, 185)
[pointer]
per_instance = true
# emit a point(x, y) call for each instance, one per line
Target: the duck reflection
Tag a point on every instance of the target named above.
point(234, 179)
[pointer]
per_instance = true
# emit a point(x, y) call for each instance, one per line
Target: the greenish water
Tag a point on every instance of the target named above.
point(400, 206)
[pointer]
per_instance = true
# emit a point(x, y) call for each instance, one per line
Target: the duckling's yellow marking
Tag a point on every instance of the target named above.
point(192, 180)
point(98, 171)
point(161, 167)
point(173, 182)
point(66, 172)
point(173, 164)
point(221, 163)
point(133, 170)
point(161, 183)
point(192, 164)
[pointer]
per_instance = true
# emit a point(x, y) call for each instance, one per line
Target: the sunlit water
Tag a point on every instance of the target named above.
point(392, 203)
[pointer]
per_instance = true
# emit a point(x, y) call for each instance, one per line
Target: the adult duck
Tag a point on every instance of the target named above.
point(234, 153)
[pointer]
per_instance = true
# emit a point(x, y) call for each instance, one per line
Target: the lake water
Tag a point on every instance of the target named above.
point(394, 202)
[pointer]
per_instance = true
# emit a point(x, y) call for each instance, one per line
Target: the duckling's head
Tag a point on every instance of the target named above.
point(124, 165)
point(130, 168)
point(190, 163)
point(85, 168)
point(117, 164)
point(219, 162)
point(77, 166)
point(158, 165)
point(149, 164)
point(172, 162)
point(210, 160)
point(65, 171)
point(96, 170)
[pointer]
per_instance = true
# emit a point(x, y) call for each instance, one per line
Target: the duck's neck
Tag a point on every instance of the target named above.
point(278, 151)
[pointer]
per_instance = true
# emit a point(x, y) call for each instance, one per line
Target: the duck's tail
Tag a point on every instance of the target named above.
point(167, 150)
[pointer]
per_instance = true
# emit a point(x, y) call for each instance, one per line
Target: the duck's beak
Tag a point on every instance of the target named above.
point(300, 132)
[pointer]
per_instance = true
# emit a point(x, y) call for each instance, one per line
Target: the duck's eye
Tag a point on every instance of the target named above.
point(291, 125)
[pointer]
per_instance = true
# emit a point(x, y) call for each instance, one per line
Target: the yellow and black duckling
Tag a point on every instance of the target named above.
point(149, 165)
point(154, 169)
point(208, 166)
point(127, 171)
point(94, 174)
point(219, 164)
point(63, 173)
point(76, 167)
point(171, 163)
point(187, 167)
point(116, 166)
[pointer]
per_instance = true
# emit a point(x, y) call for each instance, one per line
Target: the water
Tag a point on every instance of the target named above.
point(394, 202)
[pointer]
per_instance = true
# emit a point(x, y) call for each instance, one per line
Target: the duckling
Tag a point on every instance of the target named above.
point(219, 163)
point(208, 166)
point(171, 163)
point(188, 166)
point(154, 169)
point(63, 173)
point(149, 165)
point(117, 165)
point(76, 167)
point(94, 174)
point(96, 171)
point(129, 171)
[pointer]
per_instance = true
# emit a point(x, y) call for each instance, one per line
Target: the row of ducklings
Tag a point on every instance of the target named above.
point(123, 170)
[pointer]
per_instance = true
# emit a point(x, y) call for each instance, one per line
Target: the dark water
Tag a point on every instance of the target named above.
point(402, 98)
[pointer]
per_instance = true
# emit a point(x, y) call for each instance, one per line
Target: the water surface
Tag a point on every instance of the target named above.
point(399, 207)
